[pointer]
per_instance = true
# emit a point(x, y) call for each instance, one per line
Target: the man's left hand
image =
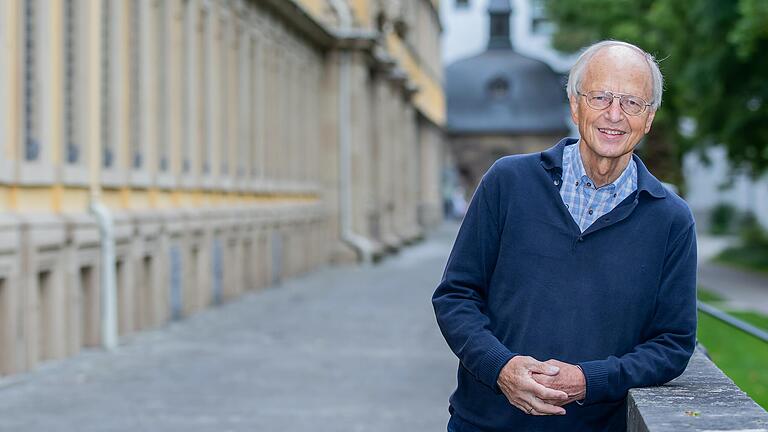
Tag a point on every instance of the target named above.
point(570, 380)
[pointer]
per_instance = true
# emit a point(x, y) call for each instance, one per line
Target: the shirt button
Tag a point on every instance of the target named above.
point(614, 195)
point(557, 182)
point(577, 183)
point(589, 184)
point(590, 211)
point(567, 206)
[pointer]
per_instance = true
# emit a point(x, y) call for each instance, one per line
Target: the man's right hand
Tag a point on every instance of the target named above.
point(522, 391)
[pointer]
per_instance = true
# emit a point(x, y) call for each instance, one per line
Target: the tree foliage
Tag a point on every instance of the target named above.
point(714, 56)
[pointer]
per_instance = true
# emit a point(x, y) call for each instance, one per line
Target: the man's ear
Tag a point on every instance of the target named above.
point(574, 104)
point(649, 121)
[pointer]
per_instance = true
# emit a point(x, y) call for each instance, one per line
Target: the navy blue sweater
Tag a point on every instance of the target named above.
point(619, 300)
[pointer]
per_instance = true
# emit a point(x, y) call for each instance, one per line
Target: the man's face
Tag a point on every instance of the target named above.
point(612, 133)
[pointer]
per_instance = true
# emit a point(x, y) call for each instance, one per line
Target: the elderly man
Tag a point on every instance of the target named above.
point(573, 276)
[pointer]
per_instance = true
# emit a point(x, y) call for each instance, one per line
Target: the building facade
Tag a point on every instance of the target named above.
point(501, 102)
point(161, 156)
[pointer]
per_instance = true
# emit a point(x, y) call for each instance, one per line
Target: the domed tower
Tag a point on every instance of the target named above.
point(501, 102)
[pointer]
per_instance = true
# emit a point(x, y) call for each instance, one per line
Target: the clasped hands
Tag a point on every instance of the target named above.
point(541, 388)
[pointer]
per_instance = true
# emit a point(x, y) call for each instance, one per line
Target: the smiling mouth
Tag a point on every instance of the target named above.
point(611, 132)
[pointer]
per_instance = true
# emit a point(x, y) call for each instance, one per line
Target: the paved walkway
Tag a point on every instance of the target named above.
point(342, 349)
point(743, 290)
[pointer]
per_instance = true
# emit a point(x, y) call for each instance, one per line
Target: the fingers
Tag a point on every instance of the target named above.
point(543, 392)
point(542, 367)
point(537, 407)
point(542, 408)
point(545, 380)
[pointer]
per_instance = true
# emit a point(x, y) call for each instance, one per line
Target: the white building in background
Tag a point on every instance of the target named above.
point(706, 187)
point(465, 31)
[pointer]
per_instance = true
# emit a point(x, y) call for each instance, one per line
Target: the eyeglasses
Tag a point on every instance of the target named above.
point(601, 100)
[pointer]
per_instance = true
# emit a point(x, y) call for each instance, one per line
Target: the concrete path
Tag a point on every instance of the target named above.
point(344, 349)
point(742, 289)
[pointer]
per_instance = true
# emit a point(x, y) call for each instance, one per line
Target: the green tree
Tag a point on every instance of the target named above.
point(714, 56)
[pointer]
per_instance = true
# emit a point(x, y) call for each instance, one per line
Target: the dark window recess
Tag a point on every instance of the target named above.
point(498, 88)
point(70, 88)
point(31, 142)
point(135, 93)
point(107, 157)
point(381, 21)
point(401, 28)
point(462, 4)
point(73, 153)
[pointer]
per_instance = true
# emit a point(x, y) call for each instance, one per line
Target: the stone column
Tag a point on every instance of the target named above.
point(11, 294)
point(430, 170)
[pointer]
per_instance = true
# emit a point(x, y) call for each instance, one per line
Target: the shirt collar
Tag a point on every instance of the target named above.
point(552, 159)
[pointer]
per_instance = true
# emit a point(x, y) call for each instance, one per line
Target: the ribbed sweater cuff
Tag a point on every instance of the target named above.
point(491, 364)
point(596, 376)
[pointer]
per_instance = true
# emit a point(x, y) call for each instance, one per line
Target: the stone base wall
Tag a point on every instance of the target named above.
point(169, 265)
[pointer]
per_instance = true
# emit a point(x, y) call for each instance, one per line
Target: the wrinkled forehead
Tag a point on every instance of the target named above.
point(619, 69)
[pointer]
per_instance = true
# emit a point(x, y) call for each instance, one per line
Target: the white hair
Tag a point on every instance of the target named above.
point(577, 71)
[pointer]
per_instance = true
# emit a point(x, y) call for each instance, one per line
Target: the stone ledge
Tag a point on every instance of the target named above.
point(703, 398)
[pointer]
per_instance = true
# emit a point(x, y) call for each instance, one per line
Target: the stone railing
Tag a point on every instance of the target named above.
point(701, 399)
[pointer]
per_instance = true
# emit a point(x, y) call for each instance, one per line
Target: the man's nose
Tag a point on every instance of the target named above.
point(614, 112)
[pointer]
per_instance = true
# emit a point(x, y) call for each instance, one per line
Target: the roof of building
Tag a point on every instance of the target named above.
point(501, 91)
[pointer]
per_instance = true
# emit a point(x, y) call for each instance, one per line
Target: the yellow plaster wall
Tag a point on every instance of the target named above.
point(73, 199)
point(57, 198)
point(316, 8)
point(430, 99)
point(32, 199)
point(362, 11)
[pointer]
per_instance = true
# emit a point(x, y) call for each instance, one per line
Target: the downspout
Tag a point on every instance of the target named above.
point(360, 244)
point(107, 280)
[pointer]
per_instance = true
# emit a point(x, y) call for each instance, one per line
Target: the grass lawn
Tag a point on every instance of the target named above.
point(708, 296)
point(742, 357)
point(750, 257)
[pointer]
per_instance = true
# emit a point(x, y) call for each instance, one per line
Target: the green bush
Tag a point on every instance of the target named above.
point(722, 219)
point(751, 232)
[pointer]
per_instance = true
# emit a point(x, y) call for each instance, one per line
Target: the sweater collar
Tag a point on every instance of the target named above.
point(552, 159)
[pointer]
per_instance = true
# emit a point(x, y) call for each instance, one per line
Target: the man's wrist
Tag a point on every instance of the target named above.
point(580, 401)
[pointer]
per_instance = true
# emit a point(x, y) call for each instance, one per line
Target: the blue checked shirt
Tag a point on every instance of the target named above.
point(585, 203)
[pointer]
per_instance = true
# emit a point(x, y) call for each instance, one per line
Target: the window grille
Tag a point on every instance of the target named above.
point(71, 85)
point(135, 89)
point(107, 153)
point(31, 83)
point(162, 91)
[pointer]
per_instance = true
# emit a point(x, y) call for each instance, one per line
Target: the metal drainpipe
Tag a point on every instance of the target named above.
point(107, 280)
point(362, 245)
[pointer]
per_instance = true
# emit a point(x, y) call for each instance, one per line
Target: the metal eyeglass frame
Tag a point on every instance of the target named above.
point(613, 95)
